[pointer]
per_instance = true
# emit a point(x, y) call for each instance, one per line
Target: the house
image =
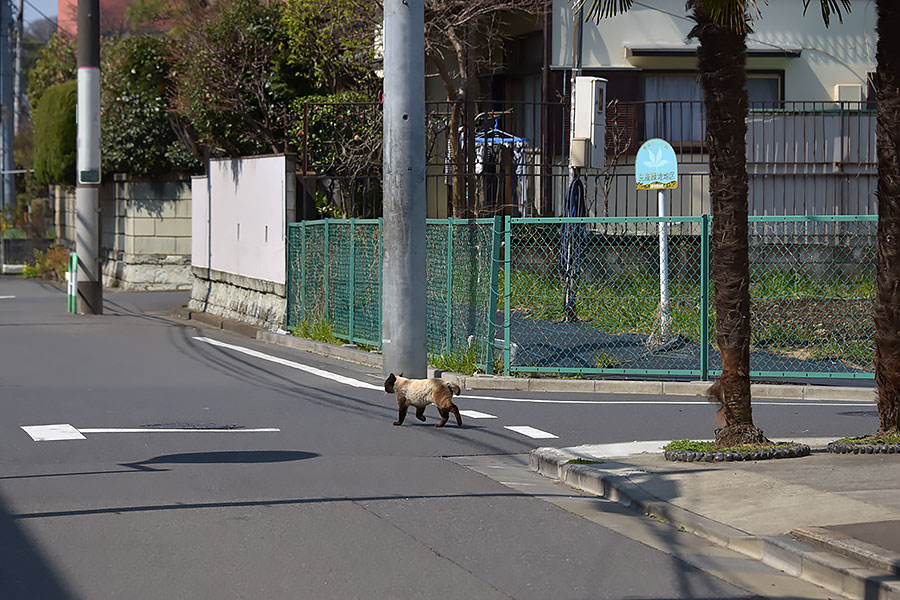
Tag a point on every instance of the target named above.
point(811, 141)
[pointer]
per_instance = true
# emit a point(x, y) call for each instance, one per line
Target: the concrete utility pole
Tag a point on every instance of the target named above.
point(17, 73)
point(87, 192)
point(403, 290)
point(8, 192)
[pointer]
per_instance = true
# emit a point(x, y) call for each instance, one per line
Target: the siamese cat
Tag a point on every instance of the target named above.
point(420, 393)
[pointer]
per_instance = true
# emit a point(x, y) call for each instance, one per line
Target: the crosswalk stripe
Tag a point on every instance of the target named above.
point(531, 432)
point(474, 414)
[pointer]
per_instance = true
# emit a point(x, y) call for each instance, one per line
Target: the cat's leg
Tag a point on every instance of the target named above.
point(444, 415)
point(420, 413)
point(403, 408)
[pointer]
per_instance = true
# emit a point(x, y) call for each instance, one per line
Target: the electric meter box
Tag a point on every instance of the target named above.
point(590, 122)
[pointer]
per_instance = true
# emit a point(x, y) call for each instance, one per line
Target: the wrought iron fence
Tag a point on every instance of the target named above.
point(814, 158)
point(614, 296)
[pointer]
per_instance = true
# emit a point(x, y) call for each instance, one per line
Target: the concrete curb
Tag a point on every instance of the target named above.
point(840, 574)
point(526, 384)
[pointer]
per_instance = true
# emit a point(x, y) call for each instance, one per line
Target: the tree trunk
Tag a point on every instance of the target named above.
point(887, 297)
point(721, 63)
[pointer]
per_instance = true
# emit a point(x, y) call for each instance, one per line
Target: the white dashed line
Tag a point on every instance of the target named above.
point(6, 297)
point(531, 432)
point(474, 414)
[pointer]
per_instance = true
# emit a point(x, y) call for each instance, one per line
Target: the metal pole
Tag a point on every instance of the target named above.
point(665, 316)
point(704, 298)
point(8, 192)
point(403, 297)
point(17, 81)
point(87, 192)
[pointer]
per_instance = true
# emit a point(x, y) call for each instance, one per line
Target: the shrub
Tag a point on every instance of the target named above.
point(52, 264)
point(55, 135)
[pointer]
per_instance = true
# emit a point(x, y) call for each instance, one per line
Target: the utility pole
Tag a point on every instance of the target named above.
point(17, 76)
point(8, 179)
point(87, 192)
point(403, 247)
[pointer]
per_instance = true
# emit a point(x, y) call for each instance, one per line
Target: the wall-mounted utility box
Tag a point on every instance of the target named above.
point(589, 122)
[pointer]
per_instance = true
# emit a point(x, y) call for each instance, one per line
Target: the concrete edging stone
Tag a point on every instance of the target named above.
point(790, 553)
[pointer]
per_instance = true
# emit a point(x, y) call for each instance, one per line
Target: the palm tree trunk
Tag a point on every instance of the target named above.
point(887, 297)
point(721, 63)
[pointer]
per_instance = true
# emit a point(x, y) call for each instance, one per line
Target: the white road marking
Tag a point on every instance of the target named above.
point(6, 297)
point(292, 364)
point(365, 385)
point(52, 433)
point(174, 430)
point(64, 431)
point(474, 414)
point(531, 432)
point(658, 402)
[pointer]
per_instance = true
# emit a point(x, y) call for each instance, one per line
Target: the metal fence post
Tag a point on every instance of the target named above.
point(291, 279)
point(303, 271)
point(449, 308)
point(350, 292)
point(327, 254)
point(492, 295)
point(380, 277)
point(507, 293)
point(704, 298)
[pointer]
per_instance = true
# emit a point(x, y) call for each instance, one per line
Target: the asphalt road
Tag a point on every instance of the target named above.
point(337, 503)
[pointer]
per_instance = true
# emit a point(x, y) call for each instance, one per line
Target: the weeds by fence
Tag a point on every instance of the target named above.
point(582, 296)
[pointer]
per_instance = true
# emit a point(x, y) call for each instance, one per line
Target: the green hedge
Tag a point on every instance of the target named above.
point(55, 134)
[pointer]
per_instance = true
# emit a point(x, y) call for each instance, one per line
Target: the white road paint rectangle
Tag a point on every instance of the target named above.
point(52, 433)
point(6, 297)
point(531, 432)
point(474, 414)
point(294, 365)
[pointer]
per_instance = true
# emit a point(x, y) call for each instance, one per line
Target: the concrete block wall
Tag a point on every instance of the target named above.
point(147, 235)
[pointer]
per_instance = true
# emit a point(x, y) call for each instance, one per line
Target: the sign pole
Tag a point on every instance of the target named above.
point(665, 316)
point(656, 168)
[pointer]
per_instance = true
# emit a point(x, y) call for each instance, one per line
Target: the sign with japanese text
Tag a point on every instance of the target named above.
point(656, 167)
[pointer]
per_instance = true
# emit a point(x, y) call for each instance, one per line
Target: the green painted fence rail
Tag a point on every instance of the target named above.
point(496, 288)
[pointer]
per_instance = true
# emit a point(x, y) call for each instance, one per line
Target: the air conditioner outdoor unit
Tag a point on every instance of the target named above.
point(848, 92)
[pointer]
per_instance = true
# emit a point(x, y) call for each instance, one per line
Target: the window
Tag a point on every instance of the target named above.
point(674, 107)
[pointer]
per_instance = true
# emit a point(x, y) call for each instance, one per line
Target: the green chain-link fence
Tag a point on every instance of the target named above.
point(334, 277)
point(584, 295)
point(812, 284)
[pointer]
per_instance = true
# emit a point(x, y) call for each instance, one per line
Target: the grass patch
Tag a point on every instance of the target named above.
point(893, 438)
point(584, 461)
point(463, 362)
point(320, 331)
point(694, 446)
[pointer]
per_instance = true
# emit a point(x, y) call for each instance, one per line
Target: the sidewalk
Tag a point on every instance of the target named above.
point(831, 519)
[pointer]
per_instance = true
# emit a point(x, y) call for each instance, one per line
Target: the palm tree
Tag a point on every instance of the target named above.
point(887, 296)
point(721, 27)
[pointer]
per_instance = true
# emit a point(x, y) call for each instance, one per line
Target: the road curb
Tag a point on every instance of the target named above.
point(795, 556)
point(538, 385)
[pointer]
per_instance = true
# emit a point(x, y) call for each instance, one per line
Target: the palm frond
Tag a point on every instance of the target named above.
point(829, 7)
point(602, 9)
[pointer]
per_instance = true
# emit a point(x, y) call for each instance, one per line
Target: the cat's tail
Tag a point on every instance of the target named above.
point(454, 388)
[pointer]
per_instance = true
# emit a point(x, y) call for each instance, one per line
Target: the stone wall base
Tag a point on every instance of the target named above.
point(244, 299)
point(146, 272)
